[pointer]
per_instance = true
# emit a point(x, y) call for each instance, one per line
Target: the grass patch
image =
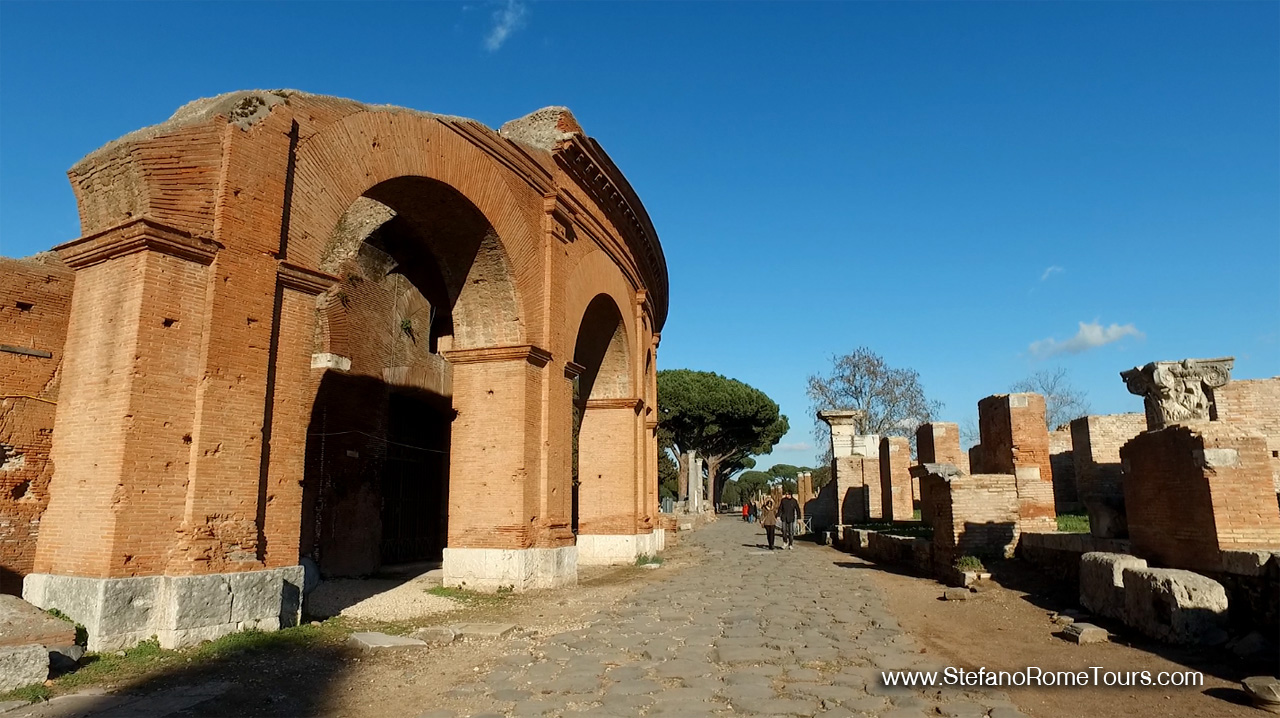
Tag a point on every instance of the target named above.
point(82, 635)
point(645, 559)
point(1076, 523)
point(915, 515)
point(31, 694)
point(970, 563)
point(148, 657)
point(471, 598)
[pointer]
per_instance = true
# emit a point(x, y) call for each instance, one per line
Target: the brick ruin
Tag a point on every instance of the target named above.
point(1184, 541)
point(305, 329)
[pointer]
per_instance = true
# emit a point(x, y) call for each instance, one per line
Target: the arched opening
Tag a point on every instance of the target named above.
point(603, 468)
point(422, 271)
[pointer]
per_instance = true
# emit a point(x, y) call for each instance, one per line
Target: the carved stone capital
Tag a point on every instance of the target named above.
point(1177, 392)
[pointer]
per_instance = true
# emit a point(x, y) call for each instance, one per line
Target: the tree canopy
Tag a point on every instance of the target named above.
point(1062, 401)
point(724, 420)
point(892, 399)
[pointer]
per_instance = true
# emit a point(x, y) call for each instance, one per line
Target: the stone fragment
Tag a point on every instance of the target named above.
point(23, 624)
point(484, 630)
point(23, 666)
point(1249, 645)
point(1174, 392)
point(1264, 691)
point(1084, 633)
point(1102, 587)
point(370, 641)
point(1176, 606)
point(64, 659)
point(436, 635)
point(956, 594)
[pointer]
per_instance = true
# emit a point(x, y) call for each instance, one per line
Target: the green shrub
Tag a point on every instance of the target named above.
point(970, 563)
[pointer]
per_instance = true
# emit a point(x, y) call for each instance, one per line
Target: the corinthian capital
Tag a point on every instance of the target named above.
point(1177, 392)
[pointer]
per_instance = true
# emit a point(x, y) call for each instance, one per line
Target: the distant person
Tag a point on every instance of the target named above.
point(788, 514)
point(746, 511)
point(769, 519)
point(755, 512)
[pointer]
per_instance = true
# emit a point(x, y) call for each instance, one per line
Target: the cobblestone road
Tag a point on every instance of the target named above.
point(747, 632)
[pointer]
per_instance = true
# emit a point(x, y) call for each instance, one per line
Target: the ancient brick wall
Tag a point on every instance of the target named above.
point(1015, 440)
point(1253, 405)
point(857, 480)
point(1096, 442)
point(939, 443)
point(895, 478)
point(1062, 463)
point(1192, 492)
point(974, 514)
point(35, 299)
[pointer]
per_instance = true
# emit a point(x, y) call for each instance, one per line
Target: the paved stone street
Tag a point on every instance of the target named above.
point(726, 628)
point(748, 632)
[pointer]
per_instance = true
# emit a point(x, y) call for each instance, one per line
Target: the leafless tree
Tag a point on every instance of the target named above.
point(1063, 402)
point(892, 399)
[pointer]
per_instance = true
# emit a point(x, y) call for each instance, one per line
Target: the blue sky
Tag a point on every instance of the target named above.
point(974, 190)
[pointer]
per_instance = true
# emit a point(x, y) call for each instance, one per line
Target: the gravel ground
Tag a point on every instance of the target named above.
point(378, 599)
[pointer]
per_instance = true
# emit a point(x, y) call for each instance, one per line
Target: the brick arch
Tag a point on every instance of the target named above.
point(593, 275)
point(352, 156)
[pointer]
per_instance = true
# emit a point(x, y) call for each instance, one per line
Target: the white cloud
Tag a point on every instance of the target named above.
point(506, 20)
point(797, 446)
point(1049, 272)
point(1090, 336)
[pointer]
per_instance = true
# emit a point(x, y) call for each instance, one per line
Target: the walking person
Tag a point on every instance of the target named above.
point(746, 511)
point(769, 519)
point(788, 514)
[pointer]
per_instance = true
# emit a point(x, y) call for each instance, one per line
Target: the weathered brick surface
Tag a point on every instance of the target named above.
point(1062, 463)
point(35, 299)
point(1192, 492)
point(857, 480)
point(1253, 405)
point(1015, 440)
point(192, 433)
point(1096, 442)
point(939, 443)
point(974, 514)
point(895, 478)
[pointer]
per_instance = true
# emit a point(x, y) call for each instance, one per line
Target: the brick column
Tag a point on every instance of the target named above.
point(160, 433)
point(1192, 492)
point(1015, 440)
point(495, 486)
point(609, 491)
point(895, 478)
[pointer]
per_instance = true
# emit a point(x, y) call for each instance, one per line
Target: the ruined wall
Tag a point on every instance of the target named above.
point(1015, 440)
point(973, 514)
point(1062, 463)
point(1193, 492)
point(35, 299)
point(939, 443)
point(1253, 405)
point(1096, 442)
point(858, 489)
point(895, 478)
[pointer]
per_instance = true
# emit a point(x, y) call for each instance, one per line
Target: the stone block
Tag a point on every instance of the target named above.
point(255, 595)
point(372, 641)
point(1247, 563)
point(1084, 633)
point(23, 666)
point(956, 594)
point(1102, 588)
point(1264, 692)
point(1175, 605)
point(198, 601)
point(484, 630)
point(23, 624)
point(435, 635)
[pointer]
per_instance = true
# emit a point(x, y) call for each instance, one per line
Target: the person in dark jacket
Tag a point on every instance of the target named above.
point(788, 515)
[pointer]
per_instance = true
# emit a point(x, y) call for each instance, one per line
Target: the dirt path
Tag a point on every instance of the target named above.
point(1004, 629)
